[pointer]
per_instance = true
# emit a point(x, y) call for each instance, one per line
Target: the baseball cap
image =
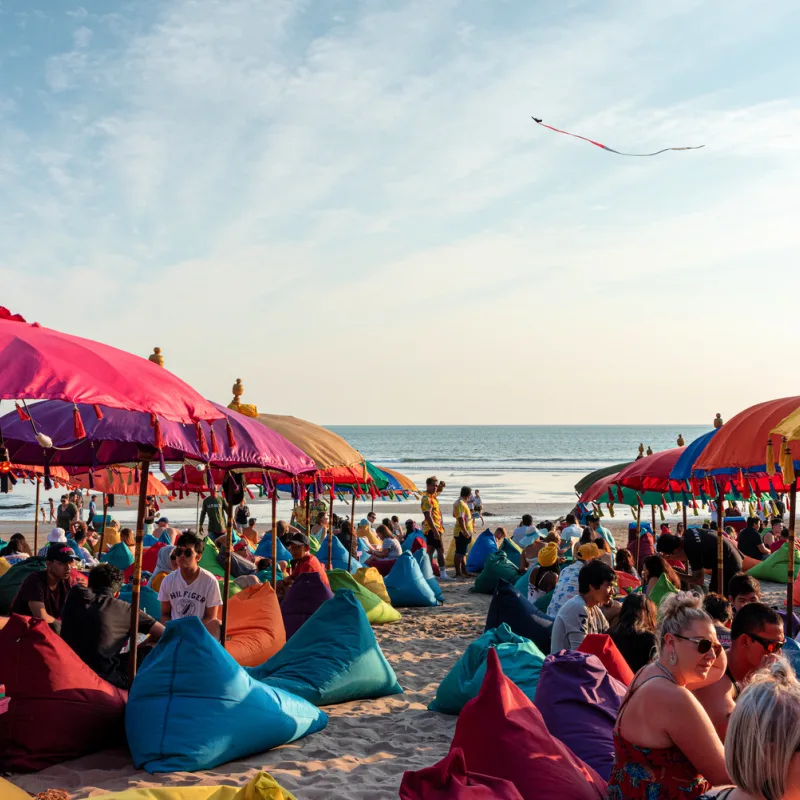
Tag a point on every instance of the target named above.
point(299, 538)
point(62, 553)
point(588, 552)
point(162, 519)
point(57, 535)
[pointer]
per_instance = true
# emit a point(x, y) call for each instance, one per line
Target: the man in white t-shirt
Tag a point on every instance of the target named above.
point(572, 532)
point(525, 527)
point(190, 591)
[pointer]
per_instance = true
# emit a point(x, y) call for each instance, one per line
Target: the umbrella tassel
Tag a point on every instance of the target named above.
point(136, 476)
point(127, 500)
point(158, 439)
point(48, 484)
point(229, 433)
point(161, 465)
point(201, 438)
point(77, 423)
point(214, 448)
point(664, 505)
point(770, 458)
point(22, 413)
point(620, 496)
point(97, 411)
point(610, 507)
point(788, 465)
point(249, 493)
point(91, 479)
point(661, 513)
point(210, 478)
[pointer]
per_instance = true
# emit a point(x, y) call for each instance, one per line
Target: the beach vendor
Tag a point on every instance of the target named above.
point(190, 590)
point(215, 508)
point(699, 547)
point(463, 532)
point(241, 516)
point(302, 560)
point(42, 594)
point(96, 624)
point(432, 525)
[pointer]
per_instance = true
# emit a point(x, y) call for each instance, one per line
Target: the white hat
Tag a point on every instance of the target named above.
point(57, 535)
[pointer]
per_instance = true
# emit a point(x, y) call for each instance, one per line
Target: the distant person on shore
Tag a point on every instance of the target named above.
point(92, 509)
point(241, 516)
point(477, 507)
point(463, 532)
point(215, 508)
point(66, 513)
point(432, 525)
point(52, 505)
point(525, 528)
point(77, 498)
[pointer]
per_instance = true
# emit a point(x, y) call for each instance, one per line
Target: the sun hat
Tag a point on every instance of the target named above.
point(548, 555)
point(588, 552)
point(57, 536)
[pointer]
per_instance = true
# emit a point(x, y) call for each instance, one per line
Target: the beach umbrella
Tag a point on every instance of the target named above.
point(405, 483)
point(38, 363)
point(588, 480)
point(607, 491)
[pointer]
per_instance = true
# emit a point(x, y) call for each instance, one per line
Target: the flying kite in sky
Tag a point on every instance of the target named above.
point(611, 149)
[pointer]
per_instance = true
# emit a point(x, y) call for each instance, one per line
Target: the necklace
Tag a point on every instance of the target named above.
point(666, 672)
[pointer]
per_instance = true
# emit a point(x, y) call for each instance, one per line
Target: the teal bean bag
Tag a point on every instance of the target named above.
point(406, 584)
point(424, 560)
point(498, 568)
point(148, 540)
point(522, 584)
point(333, 658)
point(484, 546)
point(513, 551)
point(340, 556)
point(520, 658)
point(119, 555)
point(264, 549)
point(776, 566)
point(13, 579)
point(192, 707)
point(265, 575)
point(148, 600)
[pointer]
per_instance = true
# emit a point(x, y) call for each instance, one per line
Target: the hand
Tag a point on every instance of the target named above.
point(200, 529)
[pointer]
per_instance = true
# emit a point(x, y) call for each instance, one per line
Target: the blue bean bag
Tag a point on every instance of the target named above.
point(513, 551)
point(333, 658)
point(791, 651)
point(149, 540)
point(484, 546)
point(166, 536)
point(264, 549)
point(407, 585)
point(192, 707)
point(363, 547)
point(304, 597)
point(520, 658)
point(511, 607)
point(119, 555)
point(148, 600)
point(340, 556)
point(424, 560)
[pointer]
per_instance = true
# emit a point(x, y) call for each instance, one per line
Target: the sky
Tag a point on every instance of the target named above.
point(347, 205)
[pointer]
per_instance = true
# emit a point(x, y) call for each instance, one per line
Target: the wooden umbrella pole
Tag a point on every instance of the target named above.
point(274, 536)
point(352, 530)
point(653, 516)
point(685, 524)
point(330, 533)
point(638, 531)
point(790, 573)
point(227, 583)
point(720, 548)
point(308, 514)
point(137, 565)
point(197, 516)
point(36, 517)
point(103, 532)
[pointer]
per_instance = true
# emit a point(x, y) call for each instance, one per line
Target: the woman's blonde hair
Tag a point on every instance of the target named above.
point(678, 610)
point(764, 732)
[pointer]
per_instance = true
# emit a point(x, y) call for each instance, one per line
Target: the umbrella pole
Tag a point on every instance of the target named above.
point(720, 548)
point(137, 568)
point(790, 573)
point(103, 532)
point(308, 513)
point(352, 530)
point(227, 583)
point(197, 517)
point(274, 536)
point(683, 508)
point(330, 534)
point(638, 531)
point(653, 516)
point(36, 517)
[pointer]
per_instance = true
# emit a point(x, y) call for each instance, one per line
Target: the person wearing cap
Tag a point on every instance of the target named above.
point(432, 525)
point(56, 536)
point(544, 577)
point(302, 560)
point(567, 586)
point(42, 594)
point(163, 532)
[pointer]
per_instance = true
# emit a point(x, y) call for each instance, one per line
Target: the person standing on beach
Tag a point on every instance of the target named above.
point(92, 508)
point(241, 516)
point(216, 508)
point(464, 529)
point(52, 504)
point(477, 507)
point(66, 513)
point(432, 525)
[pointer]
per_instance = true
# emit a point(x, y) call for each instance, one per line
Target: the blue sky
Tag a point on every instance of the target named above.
point(347, 205)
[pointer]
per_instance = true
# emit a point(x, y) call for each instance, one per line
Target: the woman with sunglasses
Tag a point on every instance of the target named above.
point(665, 747)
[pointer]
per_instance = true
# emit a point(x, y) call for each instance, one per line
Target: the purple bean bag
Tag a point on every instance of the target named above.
point(304, 597)
point(509, 606)
point(579, 702)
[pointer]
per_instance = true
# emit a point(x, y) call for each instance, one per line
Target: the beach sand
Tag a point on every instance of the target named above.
point(367, 745)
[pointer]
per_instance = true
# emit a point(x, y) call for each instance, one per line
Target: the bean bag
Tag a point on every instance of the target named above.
point(119, 555)
point(512, 608)
point(150, 557)
point(450, 780)
point(543, 602)
point(522, 583)
point(776, 566)
point(579, 702)
point(424, 560)
point(661, 589)
point(602, 646)
point(502, 734)
point(59, 708)
point(10, 792)
point(382, 565)
point(148, 540)
point(314, 544)
point(496, 568)
point(148, 600)
point(239, 565)
point(627, 581)
point(255, 626)
point(520, 659)
point(265, 575)
point(371, 579)
point(264, 549)
point(418, 537)
point(365, 532)
point(262, 786)
point(791, 652)
point(208, 560)
point(14, 578)
point(513, 551)
point(333, 658)
point(304, 597)
point(450, 555)
point(483, 546)
point(406, 584)
point(4, 566)
point(340, 556)
point(193, 707)
point(378, 612)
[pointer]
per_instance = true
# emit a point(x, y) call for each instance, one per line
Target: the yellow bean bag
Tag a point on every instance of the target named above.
point(450, 556)
point(4, 567)
point(262, 787)
point(367, 533)
point(7, 790)
point(371, 579)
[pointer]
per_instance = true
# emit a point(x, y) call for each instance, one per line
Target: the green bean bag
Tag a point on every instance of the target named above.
point(208, 560)
point(520, 658)
point(315, 544)
point(378, 611)
point(662, 588)
point(775, 567)
point(497, 568)
point(513, 551)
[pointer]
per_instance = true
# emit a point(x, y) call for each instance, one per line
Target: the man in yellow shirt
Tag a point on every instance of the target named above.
point(432, 525)
point(463, 532)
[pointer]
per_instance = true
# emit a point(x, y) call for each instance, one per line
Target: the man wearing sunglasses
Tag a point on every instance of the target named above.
point(756, 639)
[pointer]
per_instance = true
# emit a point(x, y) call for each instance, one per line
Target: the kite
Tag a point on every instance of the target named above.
point(611, 149)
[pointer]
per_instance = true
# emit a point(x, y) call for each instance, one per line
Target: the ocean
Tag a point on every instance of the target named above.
point(510, 464)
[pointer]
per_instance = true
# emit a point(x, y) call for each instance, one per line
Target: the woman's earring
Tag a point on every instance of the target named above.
point(673, 659)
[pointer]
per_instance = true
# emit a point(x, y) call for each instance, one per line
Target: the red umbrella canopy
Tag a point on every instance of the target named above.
point(650, 473)
point(38, 363)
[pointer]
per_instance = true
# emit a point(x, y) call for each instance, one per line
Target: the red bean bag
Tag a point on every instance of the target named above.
point(627, 581)
point(602, 646)
point(383, 565)
point(59, 708)
point(255, 625)
point(150, 556)
point(502, 735)
point(450, 780)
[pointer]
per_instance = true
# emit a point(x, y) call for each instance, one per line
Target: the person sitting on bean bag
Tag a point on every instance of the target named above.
point(302, 561)
point(390, 550)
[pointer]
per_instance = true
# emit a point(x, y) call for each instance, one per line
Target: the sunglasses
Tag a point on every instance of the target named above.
point(770, 645)
point(703, 645)
point(188, 552)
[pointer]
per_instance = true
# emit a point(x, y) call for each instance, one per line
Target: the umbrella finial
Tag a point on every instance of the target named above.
point(681, 441)
point(718, 421)
point(237, 405)
point(156, 357)
point(649, 450)
point(641, 451)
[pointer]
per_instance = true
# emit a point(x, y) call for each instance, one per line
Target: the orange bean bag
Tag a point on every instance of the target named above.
point(255, 625)
point(602, 646)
